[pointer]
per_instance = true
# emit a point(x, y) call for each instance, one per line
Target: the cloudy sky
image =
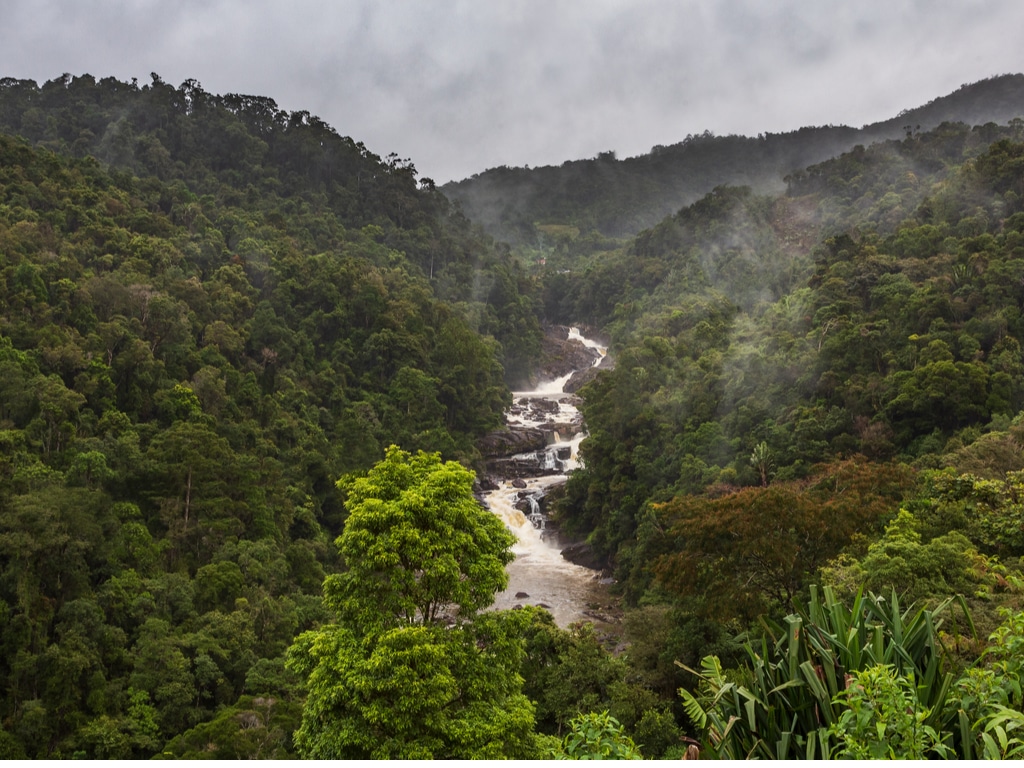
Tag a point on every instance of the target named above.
point(461, 86)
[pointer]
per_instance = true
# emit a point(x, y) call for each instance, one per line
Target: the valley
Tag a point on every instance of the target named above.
point(265, 397)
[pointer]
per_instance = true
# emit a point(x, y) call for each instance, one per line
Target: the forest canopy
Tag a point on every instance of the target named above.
point(211, 311)
point(245, 365)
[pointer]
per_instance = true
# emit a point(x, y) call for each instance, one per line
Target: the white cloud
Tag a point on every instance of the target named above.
point(462, 86)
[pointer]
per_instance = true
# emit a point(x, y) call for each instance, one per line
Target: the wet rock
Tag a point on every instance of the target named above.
point(583, 554)
point(508, 441)
point(521, 595)
point(526, 465)
point(518, 483)
point(602, 617)
point(561, 355)
point(552, 494)
point(533, 405)
point(565, 429)
point(586, 375)
point(485, 483)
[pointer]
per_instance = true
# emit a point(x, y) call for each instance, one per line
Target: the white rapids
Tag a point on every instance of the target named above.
point(539, 575)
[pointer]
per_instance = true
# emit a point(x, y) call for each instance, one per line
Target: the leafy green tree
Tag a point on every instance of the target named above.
point(415, 692)
point(417, 545)
point(162, 669)
point(254, 728)
point(989, 512)
point(567, 671)
point(916, 570)
point(761, 459)
point(392, 679)
point(10, 747)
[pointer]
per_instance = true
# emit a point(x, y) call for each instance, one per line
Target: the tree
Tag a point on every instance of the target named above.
point(762, 460)
point(418, 546)
point(917, 570)
point(757, 547)
point(411, 671)
point(568, 671)
point(597, 736)
point(415, 692)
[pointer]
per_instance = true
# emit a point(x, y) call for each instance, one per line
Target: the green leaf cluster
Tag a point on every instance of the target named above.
point(417, 546)
point(597, 736)
point(412, 669)
point(799, 702)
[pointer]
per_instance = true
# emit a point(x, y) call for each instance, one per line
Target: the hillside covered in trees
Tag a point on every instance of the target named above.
point(804, 471)
point(818, 387)
point(613, 198)
point(211, 311)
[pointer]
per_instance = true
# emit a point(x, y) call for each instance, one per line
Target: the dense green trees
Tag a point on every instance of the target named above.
point(412, 669)
point(889, 338)
point(198, 334)
point(211, 309)
point(823, 387)
point(272, 172)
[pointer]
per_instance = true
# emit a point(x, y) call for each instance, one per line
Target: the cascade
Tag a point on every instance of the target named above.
point(540, 575)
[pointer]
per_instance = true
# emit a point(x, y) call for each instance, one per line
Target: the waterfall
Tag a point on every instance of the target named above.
point(540, 575)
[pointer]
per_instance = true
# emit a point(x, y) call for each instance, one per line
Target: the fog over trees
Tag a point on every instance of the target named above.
point(246, 364)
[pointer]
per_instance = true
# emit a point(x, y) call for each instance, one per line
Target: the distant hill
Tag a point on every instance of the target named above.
point(619, 198)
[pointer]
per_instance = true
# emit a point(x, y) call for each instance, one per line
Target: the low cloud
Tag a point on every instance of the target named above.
point(459, 87)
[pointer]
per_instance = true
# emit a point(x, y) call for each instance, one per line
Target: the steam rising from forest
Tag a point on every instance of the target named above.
point(619, 198)
point(207, 342)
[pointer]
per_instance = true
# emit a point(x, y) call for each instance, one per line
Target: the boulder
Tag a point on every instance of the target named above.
point(583, 554)
point(534, 405)
point(561, 355)
point(508, 442)
point(586, 375)
point(485, 483)
point(524, 465)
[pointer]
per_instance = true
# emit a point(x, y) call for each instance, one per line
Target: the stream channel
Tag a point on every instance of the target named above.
point(539, 575)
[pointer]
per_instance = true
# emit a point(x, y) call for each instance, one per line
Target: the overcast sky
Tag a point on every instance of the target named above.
point(459, 87)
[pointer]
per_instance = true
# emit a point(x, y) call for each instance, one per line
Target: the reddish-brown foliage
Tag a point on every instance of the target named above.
point(746, 550)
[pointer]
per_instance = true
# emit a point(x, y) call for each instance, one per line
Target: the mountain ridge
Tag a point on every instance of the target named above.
point(619, 198)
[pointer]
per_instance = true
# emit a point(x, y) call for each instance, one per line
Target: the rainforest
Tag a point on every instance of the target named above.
point(249, 371)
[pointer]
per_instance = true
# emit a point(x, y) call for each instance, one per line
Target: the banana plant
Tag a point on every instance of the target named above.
point(799, 668)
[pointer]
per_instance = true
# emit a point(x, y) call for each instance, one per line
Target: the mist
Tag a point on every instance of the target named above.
point(461, 87)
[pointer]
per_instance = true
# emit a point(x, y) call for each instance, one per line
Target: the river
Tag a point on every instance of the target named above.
point(539, 575)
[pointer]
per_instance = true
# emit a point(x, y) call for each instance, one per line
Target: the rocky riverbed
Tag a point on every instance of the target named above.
point(548, 414)
point(524, 461)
